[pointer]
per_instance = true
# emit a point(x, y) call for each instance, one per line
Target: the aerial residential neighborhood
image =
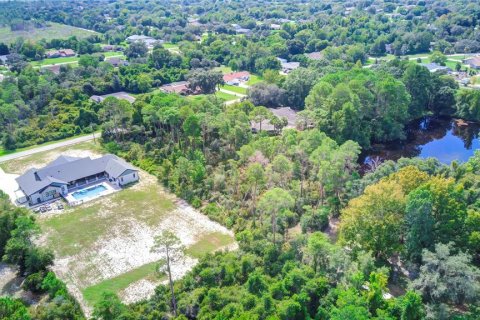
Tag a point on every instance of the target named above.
point(264, 160)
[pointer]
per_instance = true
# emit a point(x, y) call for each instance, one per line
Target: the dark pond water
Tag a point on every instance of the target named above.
point(444, 139)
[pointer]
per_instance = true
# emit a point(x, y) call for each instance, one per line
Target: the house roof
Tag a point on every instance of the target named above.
point(284, 112)
point(433, 67)
point(474, 61)
point(236, 75)
point(119, 95)
point(175, 87)
point(67, 51)
point(314, 55)
point(117, 62)
point(290, 65)
point(136, 37)
point(53, 68)
point(65, 169)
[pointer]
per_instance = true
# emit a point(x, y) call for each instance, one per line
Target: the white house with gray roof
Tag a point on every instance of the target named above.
point(66, 174)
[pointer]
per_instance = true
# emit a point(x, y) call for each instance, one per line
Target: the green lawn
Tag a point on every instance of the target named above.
point(113, 54)
point(254, 79)
point(168, 45)
point(73, 60)
point(209, 243)
point(225, 96)
point(82, 226)
point(50, 61)
point(235, 89)
point(224, 69)
point(94, 293)
point(53, 31)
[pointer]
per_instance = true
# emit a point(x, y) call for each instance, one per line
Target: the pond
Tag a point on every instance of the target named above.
point(444, 139)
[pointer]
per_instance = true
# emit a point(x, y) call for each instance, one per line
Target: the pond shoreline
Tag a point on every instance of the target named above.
point(444, 138)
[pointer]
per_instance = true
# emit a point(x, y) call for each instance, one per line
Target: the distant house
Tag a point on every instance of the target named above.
point(287, 113)
point(275, 26)
point(4, 58)
point(62, 53)
point(111, 47)
point(180, 87)
point(66, 174)
point(473, 62)
point(149, 41)
point(136, 37)
point(244, 31)
point(119, 95)
point(117, 62)
point(235, 78)
point(314, 55)
point(434, 67)
point(53, 68)
point(287, 66)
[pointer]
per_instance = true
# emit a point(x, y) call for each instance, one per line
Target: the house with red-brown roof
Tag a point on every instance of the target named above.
point(235, 78)
point(60, 53)
point(180, 87)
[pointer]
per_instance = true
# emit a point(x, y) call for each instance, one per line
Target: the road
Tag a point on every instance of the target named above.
point(46, 147)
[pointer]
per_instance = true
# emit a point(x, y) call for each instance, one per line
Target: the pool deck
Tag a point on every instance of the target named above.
point(110, 188)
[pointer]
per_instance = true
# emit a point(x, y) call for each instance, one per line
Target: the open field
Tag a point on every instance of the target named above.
point(254, 79)
point(72, 60)
point(53, 31)
point(104, 244)
point(50, 61)
point(235, 89)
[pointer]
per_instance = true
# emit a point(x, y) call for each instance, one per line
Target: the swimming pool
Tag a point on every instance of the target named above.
point(89, 192)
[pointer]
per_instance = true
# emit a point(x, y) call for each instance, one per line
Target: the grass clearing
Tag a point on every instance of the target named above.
point(50, 61)
point(208, 243)
point(94, 293)
point(224, 69)
point(168, 45)
point(225, 96)
point(235, 89)
point(51, 31)
point(254, 79)
point(109, 54)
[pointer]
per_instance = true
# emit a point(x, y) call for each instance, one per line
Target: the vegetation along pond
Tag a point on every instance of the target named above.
point(442, 138)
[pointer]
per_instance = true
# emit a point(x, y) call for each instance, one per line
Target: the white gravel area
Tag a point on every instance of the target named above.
point(128, 246)
point(8, 184)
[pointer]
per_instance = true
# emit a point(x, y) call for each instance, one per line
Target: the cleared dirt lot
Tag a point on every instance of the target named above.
point(104, 244)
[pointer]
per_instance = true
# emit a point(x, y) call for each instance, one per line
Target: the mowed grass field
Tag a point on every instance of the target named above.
point(105, 244)
point(52, 31)
point(73, 60)
point(236, 89)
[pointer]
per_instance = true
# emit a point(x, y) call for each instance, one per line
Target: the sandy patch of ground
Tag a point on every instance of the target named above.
point(11, 285)
point(128, 247)
point(137, 291)
point(8, 184)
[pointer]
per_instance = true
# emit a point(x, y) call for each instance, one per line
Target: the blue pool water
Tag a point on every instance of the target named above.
point(89, 192)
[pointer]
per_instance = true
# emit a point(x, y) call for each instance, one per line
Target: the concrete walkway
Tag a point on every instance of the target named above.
point(47, 147)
